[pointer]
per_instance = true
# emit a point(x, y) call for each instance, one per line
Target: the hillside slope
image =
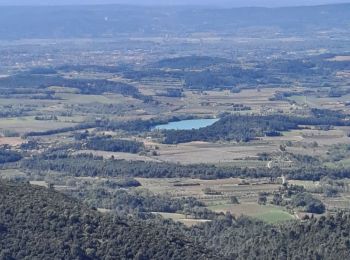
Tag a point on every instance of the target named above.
point(37, 223)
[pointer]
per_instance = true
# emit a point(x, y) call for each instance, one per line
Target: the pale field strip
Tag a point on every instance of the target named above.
point(340, 58)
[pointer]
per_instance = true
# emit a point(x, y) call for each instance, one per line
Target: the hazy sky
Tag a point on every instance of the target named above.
point(230, 3)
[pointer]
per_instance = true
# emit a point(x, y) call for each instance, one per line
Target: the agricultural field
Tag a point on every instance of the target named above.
point(270, 214)
point(246, 194)
point(181, 218)
point(24, 125)
point(215, 153)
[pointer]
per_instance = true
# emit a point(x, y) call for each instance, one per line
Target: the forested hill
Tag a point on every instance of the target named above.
point(109, 21)
point(38, 223)
point(243, 238)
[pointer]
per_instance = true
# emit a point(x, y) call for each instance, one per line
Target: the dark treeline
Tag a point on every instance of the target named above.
point(78, 127)
point(89, 68)
point(85, 86)
point(123, 183)
point(7, 155)
point(85, 165)
point(245, 128)
point(140, 125)
point(92, 166)
point(130, 126)
point(106, 124)
point(171, 92)
point(107, 143)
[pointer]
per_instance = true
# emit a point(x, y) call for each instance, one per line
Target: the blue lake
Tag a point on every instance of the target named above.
point(187, 124)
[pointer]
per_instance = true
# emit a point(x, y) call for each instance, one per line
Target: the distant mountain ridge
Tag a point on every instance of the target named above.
point(113, 20)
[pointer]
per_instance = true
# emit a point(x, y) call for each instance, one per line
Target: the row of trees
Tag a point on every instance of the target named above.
point(89, 165)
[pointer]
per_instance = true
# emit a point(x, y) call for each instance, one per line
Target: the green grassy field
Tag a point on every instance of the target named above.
point(84, 99)
point(267, 213)
point(275, 216)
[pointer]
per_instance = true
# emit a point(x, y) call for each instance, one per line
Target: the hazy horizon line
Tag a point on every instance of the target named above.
point(172, 6)
point(196, 3)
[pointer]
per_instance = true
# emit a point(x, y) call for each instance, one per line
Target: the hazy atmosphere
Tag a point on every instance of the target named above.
point(228, 3)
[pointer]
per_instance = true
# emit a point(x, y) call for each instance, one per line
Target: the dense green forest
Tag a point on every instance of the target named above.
point(36, 223)
point(68, 229)
point(6, 155)
point(243, 238)
point(107, 143)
